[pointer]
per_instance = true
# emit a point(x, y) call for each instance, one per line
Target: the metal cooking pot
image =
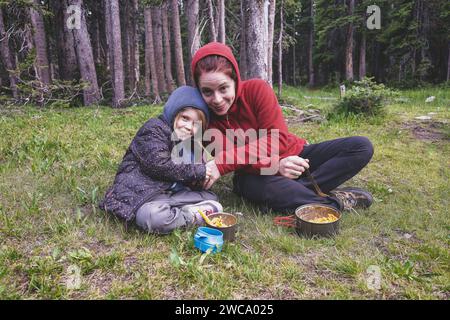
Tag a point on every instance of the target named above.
point(301, 221)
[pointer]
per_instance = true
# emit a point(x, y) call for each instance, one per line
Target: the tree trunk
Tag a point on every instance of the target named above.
point(150, 67)
point(95, 36)
point(255, 48)
point(243, 43)
point(272, 7)
point(132, 44)
point(158, 45)
point(125, 24)
point(221, 18)
point(67, 59)
point(181, 80)
point(137, 41)
point(362, 56)
point(192, 8)
point(40, 43)
point(349, 45)
point(280, 51)
point(448, 63)
point(167, 50)
point(311, 82)
point(115, 50)
point(294, 67)
point(212, 27)
point(6, 57)
point(103, 43)
point(91, 94)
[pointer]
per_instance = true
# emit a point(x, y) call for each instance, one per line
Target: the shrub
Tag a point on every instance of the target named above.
point(365, 97)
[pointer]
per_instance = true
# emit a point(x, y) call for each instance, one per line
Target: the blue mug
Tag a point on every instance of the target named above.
point(208, 238)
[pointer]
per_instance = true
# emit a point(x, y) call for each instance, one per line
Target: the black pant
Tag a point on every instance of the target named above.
point(331, 163)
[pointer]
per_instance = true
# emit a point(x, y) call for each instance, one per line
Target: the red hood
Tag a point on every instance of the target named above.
point(219, 49)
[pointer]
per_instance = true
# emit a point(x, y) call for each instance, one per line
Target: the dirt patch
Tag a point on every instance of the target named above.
point(432, 131)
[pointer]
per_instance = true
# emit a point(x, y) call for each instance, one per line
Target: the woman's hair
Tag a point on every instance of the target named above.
point(200, 115)
point(214, 63)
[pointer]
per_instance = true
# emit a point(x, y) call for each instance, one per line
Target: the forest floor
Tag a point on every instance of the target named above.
point(56, 163)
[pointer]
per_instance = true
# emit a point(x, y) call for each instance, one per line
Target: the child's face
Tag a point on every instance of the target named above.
point(187, 123)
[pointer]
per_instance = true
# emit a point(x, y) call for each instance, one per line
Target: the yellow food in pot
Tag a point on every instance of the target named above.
point(325, 219)
point(218, 222)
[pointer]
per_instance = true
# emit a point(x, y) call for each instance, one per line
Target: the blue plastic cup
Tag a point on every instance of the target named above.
point(208, 238)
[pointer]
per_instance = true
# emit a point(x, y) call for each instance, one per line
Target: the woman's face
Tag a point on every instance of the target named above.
point(218, 91)
point(187, 123)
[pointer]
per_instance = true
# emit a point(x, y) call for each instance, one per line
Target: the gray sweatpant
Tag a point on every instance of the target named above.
point(165, 213)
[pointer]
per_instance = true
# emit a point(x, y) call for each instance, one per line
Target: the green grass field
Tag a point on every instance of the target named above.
point(55, 164)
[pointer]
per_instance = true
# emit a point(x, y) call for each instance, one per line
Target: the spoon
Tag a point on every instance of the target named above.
point(315, 185)
point(205, 217)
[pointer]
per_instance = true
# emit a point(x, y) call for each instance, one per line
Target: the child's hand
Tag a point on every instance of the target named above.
point(208, 173)
point(213, 176)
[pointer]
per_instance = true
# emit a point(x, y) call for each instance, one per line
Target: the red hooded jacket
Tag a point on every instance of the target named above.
point(255, 107)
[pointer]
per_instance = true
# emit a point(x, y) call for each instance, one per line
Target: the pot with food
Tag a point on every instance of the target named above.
point(225, 222)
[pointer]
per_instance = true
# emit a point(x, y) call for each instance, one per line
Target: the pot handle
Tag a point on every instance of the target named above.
point(285, 221)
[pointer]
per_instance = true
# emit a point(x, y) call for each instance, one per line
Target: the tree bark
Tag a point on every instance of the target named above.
point(40, 43)
point(192, 12)
point(67, 59)
point(103, 38)
point(448, 63)
point(349, 45)
point(7, 58)
point(311, 82)
point(243, 44)
point(91, 94)
point(181, 80)
point(158, 44)
point(255, 48)
point(272, 7)
point(221, 18)
point(115, 50)
point(294, 67)
point(280, 50)
point(132, 44)
point(362, 56)
point(212, 27)
point(150, 67)
point(95, 35)
point(125, 25)
point(167, 49)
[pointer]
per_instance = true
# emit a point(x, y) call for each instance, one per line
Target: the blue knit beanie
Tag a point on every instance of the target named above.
point(184, 97)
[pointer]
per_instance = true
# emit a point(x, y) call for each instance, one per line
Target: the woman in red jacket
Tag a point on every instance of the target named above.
point(251, 106)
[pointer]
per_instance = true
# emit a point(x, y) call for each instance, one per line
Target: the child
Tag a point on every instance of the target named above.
point(150, 186)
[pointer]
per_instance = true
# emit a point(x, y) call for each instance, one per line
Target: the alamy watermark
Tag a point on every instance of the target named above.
point(73, 20)
point(73, 281)
point(236, 147)
point(373, 279)
point(373, 21)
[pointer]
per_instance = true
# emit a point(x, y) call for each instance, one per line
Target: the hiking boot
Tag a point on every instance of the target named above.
point(207, 207)
point(353, 198)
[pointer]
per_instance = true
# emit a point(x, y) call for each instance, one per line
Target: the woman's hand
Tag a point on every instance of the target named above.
point(292, 167)
point(212, 175)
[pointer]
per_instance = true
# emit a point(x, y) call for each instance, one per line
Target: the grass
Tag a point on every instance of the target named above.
point(55, 164)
